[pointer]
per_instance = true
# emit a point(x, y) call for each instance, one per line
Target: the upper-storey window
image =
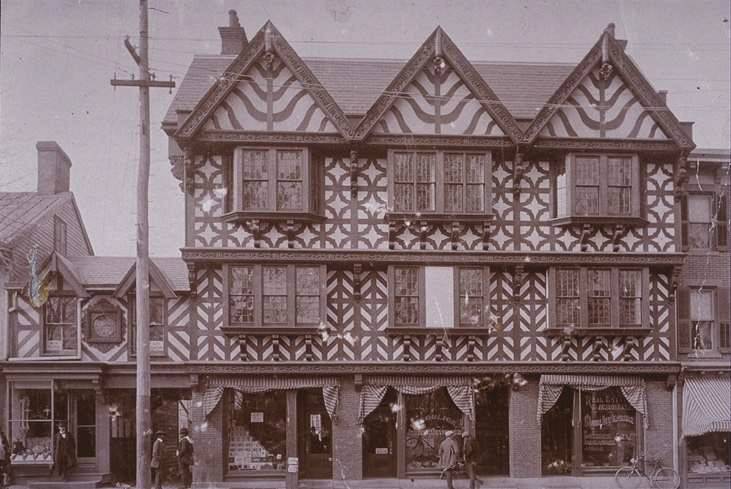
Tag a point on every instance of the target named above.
point(275, 181)
point(438, 297)
point(703, 216)
point(703, 320)
point(599, 297)
point(275, 295)
point(439, 182)
point(158, 320)
point(60, 328)
point(597, 186)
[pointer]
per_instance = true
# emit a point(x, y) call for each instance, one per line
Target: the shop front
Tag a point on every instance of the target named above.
point(706, 428)
point(590, 424)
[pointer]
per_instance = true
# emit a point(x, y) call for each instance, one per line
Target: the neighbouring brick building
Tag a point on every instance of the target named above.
point(379, 251)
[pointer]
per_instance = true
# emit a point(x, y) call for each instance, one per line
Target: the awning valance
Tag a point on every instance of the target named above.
point(375, 388)
point(706, 405)
point(257, 384)
point(632, 387)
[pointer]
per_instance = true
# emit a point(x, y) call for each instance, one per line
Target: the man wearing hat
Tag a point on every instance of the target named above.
point(470, 451)
point(64, 452)
point(448, 451)
point(157, 447)
point(185, 458)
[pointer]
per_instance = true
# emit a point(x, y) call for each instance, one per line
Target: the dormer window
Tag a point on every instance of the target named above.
point(274, 184)
point(446, 185)
point(601, 188)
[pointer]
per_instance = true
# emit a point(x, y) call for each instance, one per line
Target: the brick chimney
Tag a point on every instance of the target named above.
point(233, 37)
point(54, 168)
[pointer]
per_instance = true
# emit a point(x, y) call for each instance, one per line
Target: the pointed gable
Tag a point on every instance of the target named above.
point(267, 88)
point(438, 92)
point(606, 97)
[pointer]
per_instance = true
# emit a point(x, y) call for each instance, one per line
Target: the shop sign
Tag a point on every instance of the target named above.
point(257, 417)
point(157, 347)
point(381, 451)
point(54, 345)
point(292, 465)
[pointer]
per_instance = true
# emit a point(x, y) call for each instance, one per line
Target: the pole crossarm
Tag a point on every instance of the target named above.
point(142, 83)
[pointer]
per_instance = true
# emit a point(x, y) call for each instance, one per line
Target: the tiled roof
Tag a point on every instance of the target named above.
point(109, 271)
point(356, 84)
point(19, 211)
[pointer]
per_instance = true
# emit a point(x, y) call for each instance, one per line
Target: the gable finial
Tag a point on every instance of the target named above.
point(606, 69)
point(268, 54)
point(438, 60)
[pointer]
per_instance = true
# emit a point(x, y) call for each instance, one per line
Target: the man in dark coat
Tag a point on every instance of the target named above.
point(471, 452)
point(64, 452)
point(157, 447)
point(185, 458)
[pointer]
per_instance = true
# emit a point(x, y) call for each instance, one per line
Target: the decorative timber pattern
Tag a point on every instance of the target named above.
point(603, 108)
point(269, 97)
point(438, 102)
point(26, 329)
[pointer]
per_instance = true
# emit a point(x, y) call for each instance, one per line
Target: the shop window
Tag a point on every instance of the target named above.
point(31, 425)
point(258, 431)
point(709, 455)
point(602, 298)
point(591, 187)
point(439, 182)
point(275, 296)
point(438, 297)
point(158, 318)
point(278, 183)
point(429, 417)
point(60, 326)
point(59, 236)
point(609, 429)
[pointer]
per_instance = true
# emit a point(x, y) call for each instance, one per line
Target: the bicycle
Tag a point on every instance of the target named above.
point(660, 477)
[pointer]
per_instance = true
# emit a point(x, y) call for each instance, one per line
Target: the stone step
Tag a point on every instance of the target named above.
point(70, 484)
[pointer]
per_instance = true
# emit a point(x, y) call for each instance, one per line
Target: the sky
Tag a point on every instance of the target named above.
point(57, 57)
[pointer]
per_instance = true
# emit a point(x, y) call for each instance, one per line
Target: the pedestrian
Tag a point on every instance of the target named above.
point(471, 451)
point(155, 469)
point(448, 451)
point(185, 458)
point(64, 452)
point(4, 460)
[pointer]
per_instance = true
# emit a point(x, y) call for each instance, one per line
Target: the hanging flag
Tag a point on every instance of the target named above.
point(38, 285)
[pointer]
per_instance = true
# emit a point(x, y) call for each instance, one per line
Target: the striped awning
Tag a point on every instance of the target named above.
point(375, 388)
point(632, 387)
point(706, 405)
point(258, 384)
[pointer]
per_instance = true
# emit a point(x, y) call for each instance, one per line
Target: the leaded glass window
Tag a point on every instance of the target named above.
point(256, 179)
point(568, 302)
point(60, 324)
point(587, 186)
point(599, 298)
point(406, 293)
point(290, 176)
point(630, 293)
point(415, 181)
point(464, 182)
point(619, 186)
point(275, 295)
point(241, 295)
point(471, 296)
point(307, 302)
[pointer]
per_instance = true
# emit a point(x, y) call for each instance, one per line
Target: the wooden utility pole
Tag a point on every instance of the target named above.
point(142, 268)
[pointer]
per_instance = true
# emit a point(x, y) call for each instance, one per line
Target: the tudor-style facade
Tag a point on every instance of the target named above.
point(412, 241)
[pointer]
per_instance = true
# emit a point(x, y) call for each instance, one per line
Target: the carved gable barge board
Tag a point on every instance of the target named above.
point(243, 62)
point(627, 145)
point(630, 74)
point(268, 137)
point(338, 257)
point(430, 141)
point(464, 70)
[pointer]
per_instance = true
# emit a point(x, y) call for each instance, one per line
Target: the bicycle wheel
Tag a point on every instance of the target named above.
point(628, 478)
point(665, 478)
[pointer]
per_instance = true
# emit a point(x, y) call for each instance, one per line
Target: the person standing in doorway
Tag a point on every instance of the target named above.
point(4, 460)
point(157, 447)
point(185, 458)
point(448, 451)
point(64, 452)
point(471, 451)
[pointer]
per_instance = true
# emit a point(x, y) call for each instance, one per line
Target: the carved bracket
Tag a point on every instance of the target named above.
point(196, 381)
point(189, 181)
point(486, 232)
point(290, 231)
point(439, 349)
point(630, 343)
point(455, 231)
point(420, 229)
point(681, 176)
point(242, 348)
point(308, 348)
point(518, 277)
point(255, 227)
point(587, 230)
point(600, 345)
point(675, 281)
point(354, 172)
point(565, 348)
point(276, 354)
point(620, 231)
point(407, 349)
point(193, 278)
point(520, 167)
point(471, 347)
point(357, 279)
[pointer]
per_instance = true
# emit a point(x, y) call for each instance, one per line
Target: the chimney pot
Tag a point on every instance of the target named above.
point(233, 36)
point(54, 168)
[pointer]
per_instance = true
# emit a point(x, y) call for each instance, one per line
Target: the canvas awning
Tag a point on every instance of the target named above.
point(706, 405)
point(375, 388)
point(632, 387)
point(257, 384)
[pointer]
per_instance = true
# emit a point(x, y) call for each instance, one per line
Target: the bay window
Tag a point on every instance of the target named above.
point(604, 298)
point(60, 328)
point(275, 183)
point(438, 297)
point(596, 186)
point(275, 295)
point(453, 183)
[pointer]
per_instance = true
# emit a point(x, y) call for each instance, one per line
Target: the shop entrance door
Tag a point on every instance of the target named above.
point(122, 454)
point(379, 439)
point(492, 431)
point(77, 410)
point(315, 440)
